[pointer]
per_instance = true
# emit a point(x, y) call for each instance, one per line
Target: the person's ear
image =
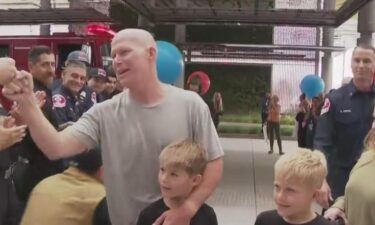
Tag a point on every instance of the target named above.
point(316, 194)
point(152, 52)
point(30, 66)
point(197, 179)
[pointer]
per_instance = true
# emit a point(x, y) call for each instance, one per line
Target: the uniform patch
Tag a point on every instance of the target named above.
point(82, 96)
point(326, 106)
point(58, 101)
point(93, 97)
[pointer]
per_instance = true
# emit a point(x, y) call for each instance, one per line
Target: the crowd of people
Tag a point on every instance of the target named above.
point(151, 150)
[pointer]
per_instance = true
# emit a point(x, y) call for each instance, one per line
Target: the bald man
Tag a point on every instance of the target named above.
point(7, 70)
point(132, 129)
point(9, 132)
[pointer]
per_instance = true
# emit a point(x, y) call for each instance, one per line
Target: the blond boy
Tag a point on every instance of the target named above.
point(181, 170)
point(298, 178)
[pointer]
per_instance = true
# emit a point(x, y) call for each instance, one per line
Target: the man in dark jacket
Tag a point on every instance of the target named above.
point(345, 119)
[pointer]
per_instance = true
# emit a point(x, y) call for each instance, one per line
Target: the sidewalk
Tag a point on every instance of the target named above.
point(224, 123)
point(253, 136)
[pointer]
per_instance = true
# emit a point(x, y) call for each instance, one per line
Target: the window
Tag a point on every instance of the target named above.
point(105, 50)
point(4, 50)
point(63, 51)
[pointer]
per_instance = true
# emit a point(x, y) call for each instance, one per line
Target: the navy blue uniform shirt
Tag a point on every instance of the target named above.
point(87, 98)
point(68, 107)
point(65, 105)
point(345, 120)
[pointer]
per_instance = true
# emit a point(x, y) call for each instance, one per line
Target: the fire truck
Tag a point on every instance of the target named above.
point(97, 47)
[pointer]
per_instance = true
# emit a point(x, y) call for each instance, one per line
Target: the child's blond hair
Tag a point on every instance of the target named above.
point(309, 167)
point(187, 154)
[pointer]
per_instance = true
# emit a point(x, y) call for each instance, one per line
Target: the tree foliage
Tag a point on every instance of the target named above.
point(241, 86)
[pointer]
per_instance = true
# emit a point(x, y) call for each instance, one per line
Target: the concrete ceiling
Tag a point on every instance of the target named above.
point(259, 12)
point(56, 15)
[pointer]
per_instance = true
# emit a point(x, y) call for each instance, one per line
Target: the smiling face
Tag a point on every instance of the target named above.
point(74, 78)
point(363, 65)
point(293, 198)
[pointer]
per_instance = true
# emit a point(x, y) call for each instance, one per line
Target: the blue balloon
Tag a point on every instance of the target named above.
point(312, 85)
point(169, 63)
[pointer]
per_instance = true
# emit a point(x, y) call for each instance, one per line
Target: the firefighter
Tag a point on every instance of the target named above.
point(70, 97)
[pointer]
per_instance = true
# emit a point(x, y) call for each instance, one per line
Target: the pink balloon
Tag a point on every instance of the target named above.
point(205, 80)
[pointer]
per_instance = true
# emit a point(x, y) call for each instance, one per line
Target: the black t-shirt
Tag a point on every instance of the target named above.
point(272, 218)
point(101, 214)
point(204, 216)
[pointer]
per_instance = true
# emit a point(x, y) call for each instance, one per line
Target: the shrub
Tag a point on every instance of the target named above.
point(287, 119)
point(237, 129)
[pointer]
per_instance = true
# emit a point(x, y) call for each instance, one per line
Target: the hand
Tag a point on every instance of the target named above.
point(7, 70)
point(20, 89)
point(333, 214)
point(16, 114)
point(11, 134)
point(178, 216)
point(324, 196)
point(40, 98)
point(15, 111)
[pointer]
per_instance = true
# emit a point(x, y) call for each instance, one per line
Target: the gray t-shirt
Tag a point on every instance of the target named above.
point(132, 136)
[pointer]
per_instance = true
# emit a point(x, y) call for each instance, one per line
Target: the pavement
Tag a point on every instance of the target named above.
point(247, 185)
point(224, 123)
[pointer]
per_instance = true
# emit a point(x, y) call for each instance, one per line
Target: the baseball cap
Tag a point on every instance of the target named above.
point(97, 73)
point(78, 56)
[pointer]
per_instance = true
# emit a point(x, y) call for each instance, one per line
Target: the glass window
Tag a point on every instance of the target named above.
point(105, 49)
point(4, 50)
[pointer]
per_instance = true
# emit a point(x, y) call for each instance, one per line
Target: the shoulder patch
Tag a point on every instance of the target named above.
point(326, 106)
point(82, 96)
point(93, 97)
point(58, 101)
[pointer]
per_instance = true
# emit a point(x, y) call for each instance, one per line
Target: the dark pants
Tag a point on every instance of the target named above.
point(11, 208)
point(264, 117)
point(216, 119)
point(337, 179)
point(274, 126)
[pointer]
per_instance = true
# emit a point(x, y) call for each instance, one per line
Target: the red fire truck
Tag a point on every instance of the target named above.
point(97, 48)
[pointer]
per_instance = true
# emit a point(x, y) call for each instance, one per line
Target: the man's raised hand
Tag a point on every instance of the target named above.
point(20, 88)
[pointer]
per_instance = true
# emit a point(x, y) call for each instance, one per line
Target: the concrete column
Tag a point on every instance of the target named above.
point(366, 24)
point(328, 35)
point(45, 29)
point(180, 38)
point(317, 40)
point(77, 28)
point(145, 24)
